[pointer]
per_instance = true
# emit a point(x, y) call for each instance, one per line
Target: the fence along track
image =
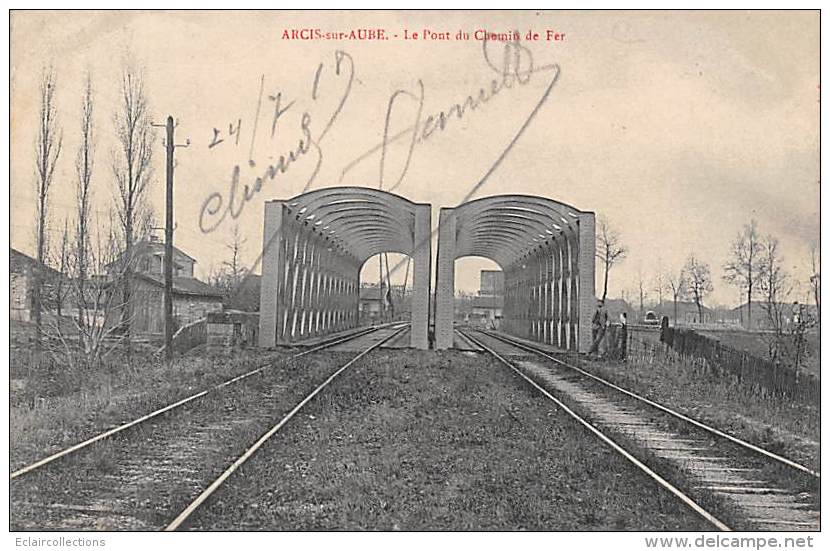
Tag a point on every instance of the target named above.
point(761, 376)
point(135, 422)
point(216, 484)
point(661, 407)
point(709, 517)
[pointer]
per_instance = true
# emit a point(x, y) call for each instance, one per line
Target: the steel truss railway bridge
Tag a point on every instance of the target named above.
point(315, 245)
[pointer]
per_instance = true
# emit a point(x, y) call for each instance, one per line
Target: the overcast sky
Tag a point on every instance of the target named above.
point(677, 127)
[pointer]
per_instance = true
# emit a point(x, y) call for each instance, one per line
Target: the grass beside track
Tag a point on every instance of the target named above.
point(142, 478)
point(781, 425)
point(438, 441)
point(56, 406)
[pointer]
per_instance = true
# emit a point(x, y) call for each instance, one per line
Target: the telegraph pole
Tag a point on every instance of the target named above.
point(170, 146)
point(168, 247)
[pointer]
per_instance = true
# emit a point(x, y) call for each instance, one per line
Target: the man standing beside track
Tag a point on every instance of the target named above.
point(598, 324)
point(622, 345)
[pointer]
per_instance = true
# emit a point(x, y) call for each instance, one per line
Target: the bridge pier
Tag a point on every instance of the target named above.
point(445, 280)
point(421, 277)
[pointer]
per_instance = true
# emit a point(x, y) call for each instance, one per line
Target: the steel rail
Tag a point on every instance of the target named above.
point(201, 498)
point(106, 434)
point(709, 517)
point(468, 341)
point(661, 407)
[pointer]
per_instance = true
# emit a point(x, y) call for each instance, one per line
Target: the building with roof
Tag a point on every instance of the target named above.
point(759, 318)
point(687, 313)
point(148, 257)
point(491, 283)
point(21, 283)
point(369, 305)
point(487, 306)
point(378, 303)
point(192, 299)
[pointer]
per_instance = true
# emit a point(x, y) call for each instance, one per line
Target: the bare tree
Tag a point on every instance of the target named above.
point(815, 279)
point(676, 284)
point(741, 269)
point(84, 162)
point(774, 284)
point(660, 286)
point(212, 275)
point(55, 296)
point(90, 336)
point(642, 292)
point(132, 167)
point(61, 284)
point(47, 151)
point(233, 269)
point(698, 282)
point(231, 276)
point(610, 249)
point(800, 346)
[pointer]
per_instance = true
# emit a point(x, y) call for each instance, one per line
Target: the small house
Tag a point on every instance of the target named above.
point(192, 299)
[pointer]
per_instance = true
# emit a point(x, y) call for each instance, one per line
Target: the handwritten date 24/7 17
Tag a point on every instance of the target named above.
point(511, 68)
point(218, 207)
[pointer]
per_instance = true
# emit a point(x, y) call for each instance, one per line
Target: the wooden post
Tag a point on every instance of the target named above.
point(168, 247)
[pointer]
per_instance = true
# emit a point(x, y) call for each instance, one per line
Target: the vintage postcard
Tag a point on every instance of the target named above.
point(420, 271)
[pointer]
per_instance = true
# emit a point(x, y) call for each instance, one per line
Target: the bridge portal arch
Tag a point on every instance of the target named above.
point(546, 250)
point(314, 245)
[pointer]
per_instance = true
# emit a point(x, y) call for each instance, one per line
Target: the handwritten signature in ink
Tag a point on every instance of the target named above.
point(515, 67)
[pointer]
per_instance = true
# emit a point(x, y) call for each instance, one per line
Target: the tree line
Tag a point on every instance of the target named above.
point(94, 255)
point(755, 265)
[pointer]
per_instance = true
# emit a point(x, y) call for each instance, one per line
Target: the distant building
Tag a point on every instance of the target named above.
point(486, 308)
point(687, 313)
point(616, 306)
point(491, 283)
point(463, 306)
point(21, 284)
point(760, 318)
point(149, 259)
point(369, 304)
point(373, 305)
point(192, 299)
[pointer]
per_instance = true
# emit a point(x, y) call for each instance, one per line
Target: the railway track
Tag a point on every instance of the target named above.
point(742, 486)
point(376, 341)
point(138, 482)
point(109, 433)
